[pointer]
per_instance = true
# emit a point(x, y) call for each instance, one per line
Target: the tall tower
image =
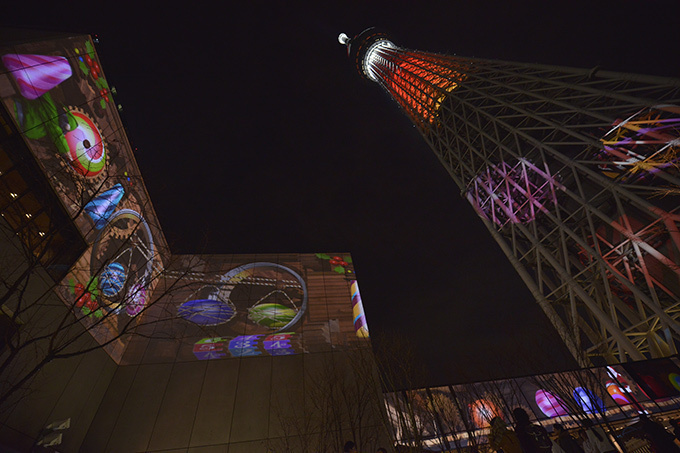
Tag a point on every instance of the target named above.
point(574, 173)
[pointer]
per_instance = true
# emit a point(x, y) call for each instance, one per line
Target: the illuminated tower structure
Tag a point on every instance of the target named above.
point(574, 173)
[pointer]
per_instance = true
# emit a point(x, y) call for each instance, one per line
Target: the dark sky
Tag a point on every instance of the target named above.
point(254, 134)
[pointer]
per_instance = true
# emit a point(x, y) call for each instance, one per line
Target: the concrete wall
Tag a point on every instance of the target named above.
point(63, 388)
point(249, 404)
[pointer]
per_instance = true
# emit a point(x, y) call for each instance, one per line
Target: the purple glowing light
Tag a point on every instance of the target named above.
point(505, 193)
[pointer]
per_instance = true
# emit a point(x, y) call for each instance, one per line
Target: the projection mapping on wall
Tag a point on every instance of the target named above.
point(192, 307)
point(615, 392)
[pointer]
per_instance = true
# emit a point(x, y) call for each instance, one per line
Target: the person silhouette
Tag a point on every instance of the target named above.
point(533, 438)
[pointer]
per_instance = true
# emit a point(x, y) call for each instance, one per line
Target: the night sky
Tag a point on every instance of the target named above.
point(255, 135)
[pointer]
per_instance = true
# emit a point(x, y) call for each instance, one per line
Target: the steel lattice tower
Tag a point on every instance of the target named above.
point(575, 174)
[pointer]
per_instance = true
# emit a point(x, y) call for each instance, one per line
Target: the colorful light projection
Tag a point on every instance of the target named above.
point(279, 344)
point(589, 402)
point(246, 346)
point(36, 113)
point(483, 411)
point(35, 75)
point(102, 206)
point(84, 154)
point(264, 296)
point(206, 312)
point(620, 388)
point(72, 131)
point(655, 378)
point(505, 193)
point(339, 264)
point(272, 315)
point(674, 379)
point(360, 325)
point(617, 393)
point(90, 70)
point(211, 348)
point(122, 260)
point(450, 402)
point(641, 252)
point(45, 80)
point(641, 146)
point(551, 405)
point(136, 300)
point(86, 158)
point(112, 279)
point(86, 150)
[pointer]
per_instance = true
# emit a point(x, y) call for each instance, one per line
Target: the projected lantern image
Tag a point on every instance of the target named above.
point(136, 300)
point(253, 298)
point(206, 307)
point(279, 294)
point(112, 279)
point(122, 260)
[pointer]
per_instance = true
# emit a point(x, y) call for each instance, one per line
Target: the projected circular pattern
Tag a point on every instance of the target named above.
point(255, 298)
point(86, 150)
point(274, 296)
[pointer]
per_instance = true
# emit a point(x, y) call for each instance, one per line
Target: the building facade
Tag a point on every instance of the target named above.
point(142, 349)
